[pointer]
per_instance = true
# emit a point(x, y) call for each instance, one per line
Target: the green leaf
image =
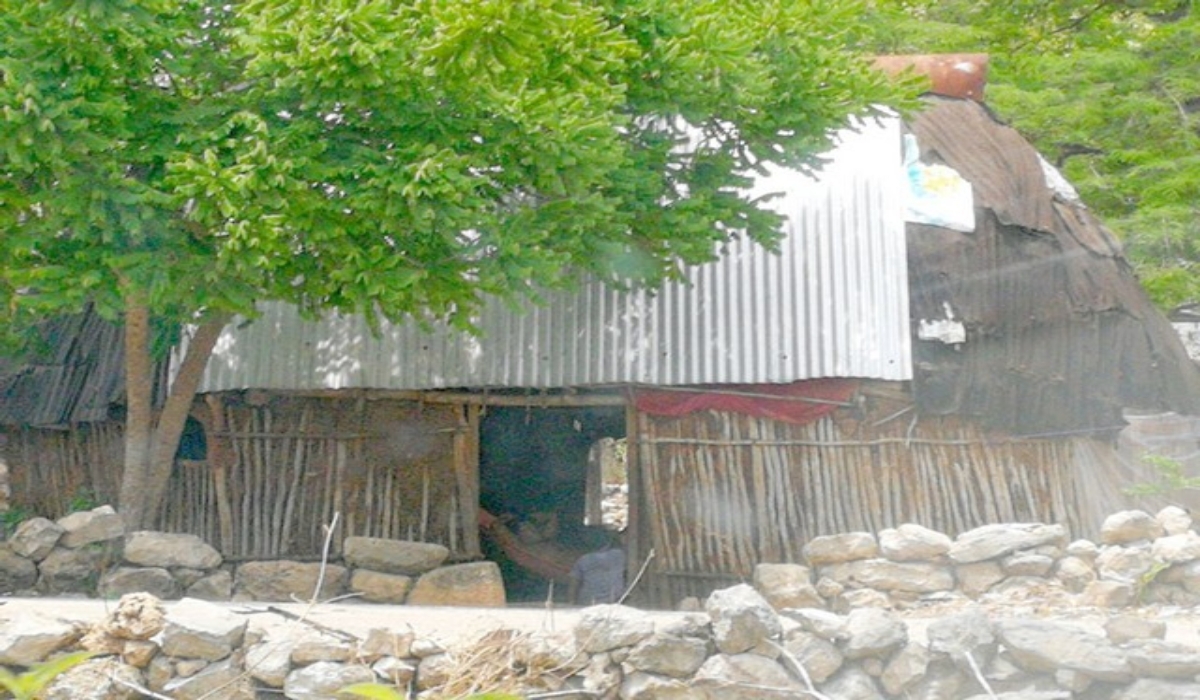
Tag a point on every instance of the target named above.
point(373, 691)
point(28, 685)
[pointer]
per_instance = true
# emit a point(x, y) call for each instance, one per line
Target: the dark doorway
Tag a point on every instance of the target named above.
point(533, 467)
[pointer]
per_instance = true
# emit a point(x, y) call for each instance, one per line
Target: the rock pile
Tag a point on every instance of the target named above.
point(90, 553)
point(1140, 558)
point(739, 648)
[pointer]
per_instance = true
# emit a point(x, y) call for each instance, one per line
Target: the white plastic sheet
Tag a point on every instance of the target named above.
point(937, 194)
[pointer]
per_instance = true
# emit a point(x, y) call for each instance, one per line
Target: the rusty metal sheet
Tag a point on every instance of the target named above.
point(962, 75)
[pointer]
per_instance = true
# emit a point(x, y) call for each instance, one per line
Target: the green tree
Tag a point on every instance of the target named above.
point(173, 162)
point(1109, 91)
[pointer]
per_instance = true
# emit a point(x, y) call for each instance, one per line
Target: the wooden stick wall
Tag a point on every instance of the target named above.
point(727, 491)
point(279, 468)
point(52, 471)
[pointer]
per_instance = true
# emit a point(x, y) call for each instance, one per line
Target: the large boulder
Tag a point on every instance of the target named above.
point(965, 637)
point(397, 672)
point(852, 683)
point(1042, 646)
point(376, 587)
point(128, 579)
point(322, 680)
point(746, 677)
point(313, 646)
point(393, 556)
point(477, 584)
point(197, 629)
point(1127, 628)
point(1075, 573)
point(887, 575)
point(216, 586)
point(912, 542)
point(605, 627)
point(873, 632)
point(824, 624)
point(819, 657)
point(834, 549)
point(1162, 659)
point(786, 586)
point(287, 581)
point(666, 655)
point(1127, 564)
point(381, 642)
point(138, 616)
point(88, 526)
point(1130, 526)
point(270, 660)
point(35, 538)
point(71, 570)
point(95, 679)
point(220, 681)
point(169, 550)
point(1174, 520)
point(1155, 689)
point(639, 685)
point(27, 638)
point(741, 619)
point(992, 541)
point(1177, 549)
point(905, 668)
point(978, 577)
point(16, 572)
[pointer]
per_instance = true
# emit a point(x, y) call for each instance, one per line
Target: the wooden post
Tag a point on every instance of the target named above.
point(466, 477)
point(636, 538)
point(219, 457)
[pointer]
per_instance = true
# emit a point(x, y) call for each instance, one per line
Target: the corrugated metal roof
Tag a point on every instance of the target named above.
point(72, 373)
point(832, 303)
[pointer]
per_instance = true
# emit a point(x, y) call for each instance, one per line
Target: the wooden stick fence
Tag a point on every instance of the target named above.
point(728, 491)
point(52, 471)
point(277, 472)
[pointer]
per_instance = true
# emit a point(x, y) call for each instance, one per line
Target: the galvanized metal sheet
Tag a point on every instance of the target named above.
point(832, 303)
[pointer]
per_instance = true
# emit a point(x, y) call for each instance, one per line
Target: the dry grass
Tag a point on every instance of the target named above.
point(506, 661)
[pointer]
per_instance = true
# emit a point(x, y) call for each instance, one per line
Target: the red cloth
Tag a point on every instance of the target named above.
point(790, 408)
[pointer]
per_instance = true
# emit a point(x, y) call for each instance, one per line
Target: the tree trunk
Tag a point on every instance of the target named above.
point(165, 442)
point(139, 416)
point(150, 444)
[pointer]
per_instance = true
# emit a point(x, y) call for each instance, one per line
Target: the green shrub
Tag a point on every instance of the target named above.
point(28, 685)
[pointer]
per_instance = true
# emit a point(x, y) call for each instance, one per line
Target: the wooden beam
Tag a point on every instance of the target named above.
point(613, 398)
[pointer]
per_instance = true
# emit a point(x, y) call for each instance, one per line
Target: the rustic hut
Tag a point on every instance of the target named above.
point(873, 372)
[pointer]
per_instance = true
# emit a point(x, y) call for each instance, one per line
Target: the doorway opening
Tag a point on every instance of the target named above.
point(542, 474)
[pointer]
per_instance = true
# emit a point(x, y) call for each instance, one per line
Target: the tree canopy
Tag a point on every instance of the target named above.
point(392, 156)
point(176, 161)
point(1109, 91)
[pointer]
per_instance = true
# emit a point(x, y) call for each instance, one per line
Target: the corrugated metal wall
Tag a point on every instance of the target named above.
point(832, 303)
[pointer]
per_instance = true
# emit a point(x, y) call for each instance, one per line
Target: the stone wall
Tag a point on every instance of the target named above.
point(1140, 558)
point(738, 648)
point(89, 553)
point(906, 613)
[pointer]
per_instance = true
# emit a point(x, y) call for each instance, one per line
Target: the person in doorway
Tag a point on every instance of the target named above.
point(599, 576)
